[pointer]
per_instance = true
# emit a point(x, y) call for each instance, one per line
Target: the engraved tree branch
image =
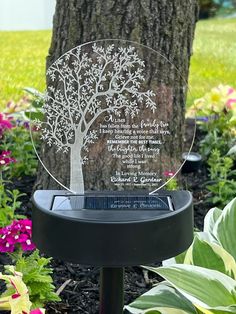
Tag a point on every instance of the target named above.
point(82, 87)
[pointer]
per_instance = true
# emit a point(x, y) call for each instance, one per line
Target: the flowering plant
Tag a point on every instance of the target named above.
point(17, 234)
point(8, 199)
point(216, 113)
point(16, 297)
point(36, 272)
point(13, 107)
point(218, 108)
point(5, 159)
point(5, 123)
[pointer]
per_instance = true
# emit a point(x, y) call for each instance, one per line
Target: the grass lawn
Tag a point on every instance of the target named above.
point(22, 61)
point(214, 58)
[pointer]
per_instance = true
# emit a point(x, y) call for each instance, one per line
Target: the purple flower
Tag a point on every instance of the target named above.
point(5, 158)
point(18, 233)
point(204, 119)
point(26, 124)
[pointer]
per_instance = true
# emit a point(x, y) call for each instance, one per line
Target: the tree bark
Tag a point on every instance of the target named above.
point(165, 26)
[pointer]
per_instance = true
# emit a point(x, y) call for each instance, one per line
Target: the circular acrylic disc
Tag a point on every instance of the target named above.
point(114, 116)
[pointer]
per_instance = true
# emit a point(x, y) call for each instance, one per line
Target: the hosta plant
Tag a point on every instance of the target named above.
point(206, 281)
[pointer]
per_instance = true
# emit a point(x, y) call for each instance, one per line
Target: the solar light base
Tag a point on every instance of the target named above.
point(97, 232)
point(112, 238)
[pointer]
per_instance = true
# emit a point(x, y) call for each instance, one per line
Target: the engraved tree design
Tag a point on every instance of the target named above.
point(83, 85)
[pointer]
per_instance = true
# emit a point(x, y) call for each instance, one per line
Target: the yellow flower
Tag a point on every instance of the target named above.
point(199, 103)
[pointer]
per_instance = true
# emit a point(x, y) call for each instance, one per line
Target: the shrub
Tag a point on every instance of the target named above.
point(207, 8)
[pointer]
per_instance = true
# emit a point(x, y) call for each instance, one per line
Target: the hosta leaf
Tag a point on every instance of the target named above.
point(163, 296)
point(212, 256)
point(225, 228)
point(158, 310)
point(179, 259)
point(205, 287)
point(210, 221)
point(223, 310)
point(204, 236)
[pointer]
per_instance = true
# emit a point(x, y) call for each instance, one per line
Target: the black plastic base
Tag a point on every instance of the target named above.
point(112, 238)
point(111, 290)
point(192, 164)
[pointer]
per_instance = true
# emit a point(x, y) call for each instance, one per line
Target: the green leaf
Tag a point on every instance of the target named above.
point(225, 228)
point(163, 296)
point(33, 92)
point(179, 259)
point(232, 150)
point(207, 288)
point(211, 256)
point(34, 115)
point(210, 221)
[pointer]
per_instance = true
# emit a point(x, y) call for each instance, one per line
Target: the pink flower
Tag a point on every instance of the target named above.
point(231, 91)
point(17, 234)
point(168, 173)
point(28, 245)
point(5, 158)
point(230, 102)
point(6, 247)
point(4, 124)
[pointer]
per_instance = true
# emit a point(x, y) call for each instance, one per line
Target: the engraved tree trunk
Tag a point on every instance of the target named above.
point(76, 168)
point(165, 26)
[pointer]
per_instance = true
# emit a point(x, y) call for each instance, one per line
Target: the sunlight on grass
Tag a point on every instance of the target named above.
point(22, 62)
point(214, 58)
point(23, 54)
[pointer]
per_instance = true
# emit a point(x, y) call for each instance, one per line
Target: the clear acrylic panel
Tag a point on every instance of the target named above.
point(114, 113)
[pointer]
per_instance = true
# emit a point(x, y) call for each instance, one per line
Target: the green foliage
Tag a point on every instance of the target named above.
point(172, 185)
point(222, 187)
point(37, 277)
point(18, 141)
point(215, 140)
point(219, 166)
point(8, 204)
point(208, 8)
point(207, 277)
point(164, 298)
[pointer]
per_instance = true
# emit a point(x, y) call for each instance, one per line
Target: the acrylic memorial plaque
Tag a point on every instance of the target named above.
point(114, 118)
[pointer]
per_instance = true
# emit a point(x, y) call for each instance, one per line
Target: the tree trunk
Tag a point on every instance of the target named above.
point(165, 26)
point(76, 170)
